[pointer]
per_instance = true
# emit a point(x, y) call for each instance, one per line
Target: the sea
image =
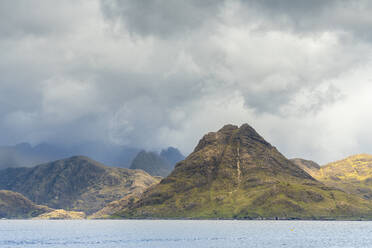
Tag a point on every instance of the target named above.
point(184, 234)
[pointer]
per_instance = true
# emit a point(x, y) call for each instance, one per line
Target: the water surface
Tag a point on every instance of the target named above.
point(184, 234)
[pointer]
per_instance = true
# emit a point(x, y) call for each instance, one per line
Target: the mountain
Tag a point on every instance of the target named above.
point(172, 155)
point(152, 163)
point(306, 165)
point(352, 174)
point(77, 183)
point(235, 173)
point(15, 206)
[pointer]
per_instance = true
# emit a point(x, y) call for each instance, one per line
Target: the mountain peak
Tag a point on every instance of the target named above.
point(244, 135)
point(228, 128)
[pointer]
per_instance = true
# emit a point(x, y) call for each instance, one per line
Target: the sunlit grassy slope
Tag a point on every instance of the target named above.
point(353, 175)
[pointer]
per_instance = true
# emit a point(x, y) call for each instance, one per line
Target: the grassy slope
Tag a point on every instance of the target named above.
point(15, 206)
point(61, 214)
point(353, 175)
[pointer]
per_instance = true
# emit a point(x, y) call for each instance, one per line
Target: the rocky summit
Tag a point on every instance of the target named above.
point(75, 184)
point(235, 173)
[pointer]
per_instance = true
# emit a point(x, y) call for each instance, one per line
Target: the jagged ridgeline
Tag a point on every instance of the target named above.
point(235, 173)
point(77, 183)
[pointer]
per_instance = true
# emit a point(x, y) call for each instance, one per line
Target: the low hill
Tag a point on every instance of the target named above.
point(352, 174)
point(15, 206)
point(75, 184)
point(61, 214)
point(235, 173)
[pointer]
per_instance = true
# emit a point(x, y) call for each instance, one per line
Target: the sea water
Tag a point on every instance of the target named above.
point(184, 233)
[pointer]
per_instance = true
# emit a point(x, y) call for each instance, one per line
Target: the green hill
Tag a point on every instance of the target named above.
point(235, 173)
point(352, 174)
point(15, 206)
point(75, 184)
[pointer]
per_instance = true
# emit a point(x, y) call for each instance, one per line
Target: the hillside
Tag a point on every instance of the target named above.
point(235, 173)
point(77, 183)
point(15, 206)
point(152, 163)
point(307, 165)
point(352, 174)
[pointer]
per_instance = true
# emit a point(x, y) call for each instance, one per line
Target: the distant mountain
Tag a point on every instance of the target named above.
point(25, 155)
point(15, 206)
point(152, 163)
point(352, 174)
point(77, 183)
point(235, 173)
point(172, 155)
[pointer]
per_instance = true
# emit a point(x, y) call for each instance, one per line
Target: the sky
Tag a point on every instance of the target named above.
point(157, 73)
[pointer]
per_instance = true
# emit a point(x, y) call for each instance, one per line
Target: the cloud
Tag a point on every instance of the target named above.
point(157, 73)
point(164, 18)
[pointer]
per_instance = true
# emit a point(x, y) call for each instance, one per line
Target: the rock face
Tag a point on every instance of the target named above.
point(152, 163)
point(77, 183)
point(235, 173)
point(352, 174)
point(307, 165)
point(15, 206)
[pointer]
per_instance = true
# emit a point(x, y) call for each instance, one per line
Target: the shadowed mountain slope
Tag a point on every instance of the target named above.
point(152, 163)
point(15, 206)
point(173, 155)
point(306, 165)
point(77, 183)
point(235, 173)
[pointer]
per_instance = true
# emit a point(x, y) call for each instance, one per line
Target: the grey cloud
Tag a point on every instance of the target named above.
point(351, 17)
point(161, 17)
point(156, 73)
point(38, 18)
